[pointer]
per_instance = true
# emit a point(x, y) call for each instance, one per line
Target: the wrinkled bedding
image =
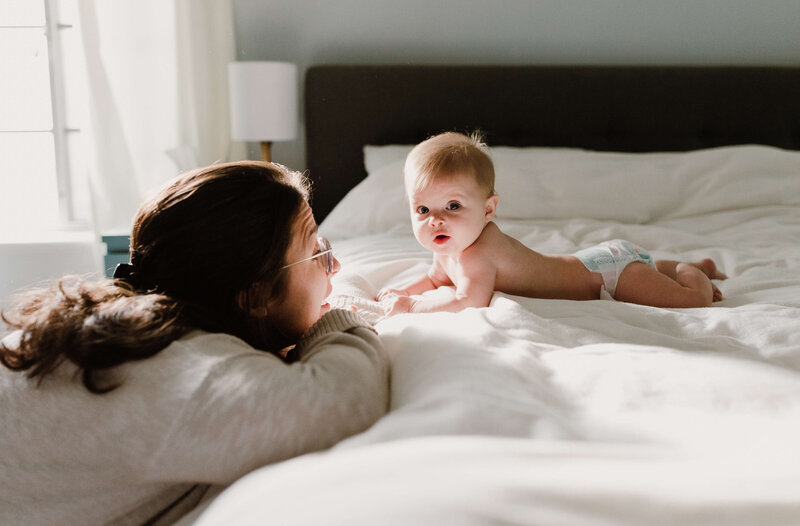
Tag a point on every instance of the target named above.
point(536, 411)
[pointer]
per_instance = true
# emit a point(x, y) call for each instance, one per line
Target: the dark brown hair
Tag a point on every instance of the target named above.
point(199, 245)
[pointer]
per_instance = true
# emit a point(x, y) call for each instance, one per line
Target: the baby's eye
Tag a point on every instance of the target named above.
point(422, 210)
point(453, 206)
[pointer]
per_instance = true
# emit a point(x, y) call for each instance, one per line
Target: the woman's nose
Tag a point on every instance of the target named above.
point(336, 266)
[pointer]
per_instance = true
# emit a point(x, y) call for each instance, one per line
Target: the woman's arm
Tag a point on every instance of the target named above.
point(252, 409)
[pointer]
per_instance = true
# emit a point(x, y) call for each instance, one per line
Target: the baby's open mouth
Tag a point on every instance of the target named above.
point(441, 238)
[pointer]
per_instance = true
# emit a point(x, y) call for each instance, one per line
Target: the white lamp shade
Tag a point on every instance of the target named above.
point(263, 101)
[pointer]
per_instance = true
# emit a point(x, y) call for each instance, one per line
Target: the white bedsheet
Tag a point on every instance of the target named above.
point(563, 412)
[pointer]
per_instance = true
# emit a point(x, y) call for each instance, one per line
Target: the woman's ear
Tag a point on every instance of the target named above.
point(247, 301)
point(241, 300)
point(491, 207)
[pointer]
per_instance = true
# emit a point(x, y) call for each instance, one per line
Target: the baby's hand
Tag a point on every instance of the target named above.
point(396, 304)
point(385, 292)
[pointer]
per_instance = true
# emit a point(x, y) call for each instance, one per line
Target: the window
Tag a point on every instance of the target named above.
point(43, 181)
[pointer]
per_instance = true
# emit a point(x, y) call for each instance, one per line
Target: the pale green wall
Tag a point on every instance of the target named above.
point(745, 32)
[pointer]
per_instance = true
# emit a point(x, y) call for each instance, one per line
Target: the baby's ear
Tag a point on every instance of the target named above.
point(491, 207)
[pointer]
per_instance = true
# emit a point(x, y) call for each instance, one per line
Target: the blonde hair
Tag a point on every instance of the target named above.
point(446, 155)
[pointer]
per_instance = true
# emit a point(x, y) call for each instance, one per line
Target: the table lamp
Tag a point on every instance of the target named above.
point(263, 102)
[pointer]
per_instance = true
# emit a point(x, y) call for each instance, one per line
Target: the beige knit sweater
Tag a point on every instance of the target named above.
point(204, 411)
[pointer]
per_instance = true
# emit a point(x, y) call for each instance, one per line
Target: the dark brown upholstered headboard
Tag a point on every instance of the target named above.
point(634, 109)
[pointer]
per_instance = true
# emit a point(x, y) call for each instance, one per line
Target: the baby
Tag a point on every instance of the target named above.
point(449, 182)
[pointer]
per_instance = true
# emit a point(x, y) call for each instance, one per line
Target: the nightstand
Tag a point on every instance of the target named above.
point(117, 246)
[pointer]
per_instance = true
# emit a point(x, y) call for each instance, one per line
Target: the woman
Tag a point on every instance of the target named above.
point(211, 354)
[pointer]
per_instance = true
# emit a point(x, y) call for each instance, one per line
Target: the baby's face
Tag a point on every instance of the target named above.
point(450, 214)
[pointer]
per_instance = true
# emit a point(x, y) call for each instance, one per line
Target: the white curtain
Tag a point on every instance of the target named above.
point(157, 96)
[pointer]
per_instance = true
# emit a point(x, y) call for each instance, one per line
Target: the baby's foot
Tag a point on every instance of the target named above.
point(716, 293)
point(710, 269)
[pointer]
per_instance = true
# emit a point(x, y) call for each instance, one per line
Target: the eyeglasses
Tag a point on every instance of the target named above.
point(325, 250)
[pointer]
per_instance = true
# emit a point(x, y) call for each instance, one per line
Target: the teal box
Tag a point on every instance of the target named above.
point(117, 247)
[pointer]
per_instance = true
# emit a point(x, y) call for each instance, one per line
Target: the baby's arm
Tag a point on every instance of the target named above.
point(433, 279)
point(471, 292)
point(418, 287)
point(475, 285)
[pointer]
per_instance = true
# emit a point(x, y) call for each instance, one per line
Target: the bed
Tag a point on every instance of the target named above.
point(536, 411)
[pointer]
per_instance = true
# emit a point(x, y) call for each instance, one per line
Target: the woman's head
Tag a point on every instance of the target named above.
point(216, 239)
point(305, 277)
point(218, 249)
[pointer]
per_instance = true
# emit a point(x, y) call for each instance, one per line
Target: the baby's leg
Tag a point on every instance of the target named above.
point(642, 284)
point(707, 265)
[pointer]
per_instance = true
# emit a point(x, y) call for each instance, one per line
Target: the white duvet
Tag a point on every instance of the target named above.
point(563, 412)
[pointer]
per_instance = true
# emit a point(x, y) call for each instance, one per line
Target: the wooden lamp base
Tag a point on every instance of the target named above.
point(265, 151)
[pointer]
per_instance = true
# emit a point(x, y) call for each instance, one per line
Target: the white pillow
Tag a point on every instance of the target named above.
point(376, 204)
point(536, 183)
point(376, 157)
point(564, 183)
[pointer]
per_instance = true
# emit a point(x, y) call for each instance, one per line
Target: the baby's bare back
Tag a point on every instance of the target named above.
point(524, 272)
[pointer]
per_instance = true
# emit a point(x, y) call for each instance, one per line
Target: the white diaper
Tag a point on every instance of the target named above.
point(610, 258)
